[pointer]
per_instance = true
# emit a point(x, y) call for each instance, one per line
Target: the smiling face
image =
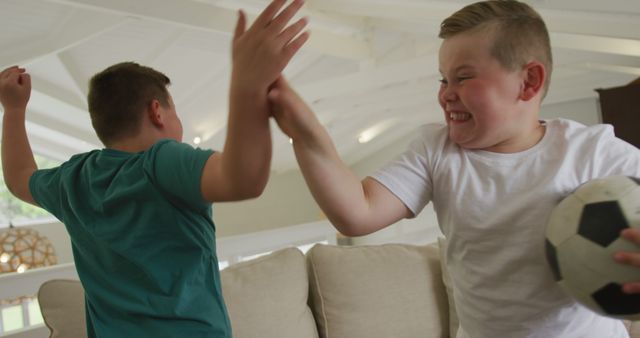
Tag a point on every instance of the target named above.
point(480, 98)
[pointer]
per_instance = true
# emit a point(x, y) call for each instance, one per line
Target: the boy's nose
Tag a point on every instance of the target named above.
point(448, 94)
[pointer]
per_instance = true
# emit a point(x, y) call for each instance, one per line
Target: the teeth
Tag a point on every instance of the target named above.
point(459, 116)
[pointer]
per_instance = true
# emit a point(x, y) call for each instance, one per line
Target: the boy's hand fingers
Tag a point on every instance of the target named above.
point(9, 70)
point(276, 108)
point(631, 288)
point(631, 234)
point(292, 48)
point(265, 48)
point(12, 74)
point(293, 30)
point(281, 20)
point(11, 78)
point(283, 96)
point(629, 258)
point(24, 80)
point(281, 82)
point(240, 25)
point(274, 96)
point(5, 73)
point(265, 17)
point(277, 97)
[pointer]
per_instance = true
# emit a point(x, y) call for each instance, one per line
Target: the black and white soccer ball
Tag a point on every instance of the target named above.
point(582, 235)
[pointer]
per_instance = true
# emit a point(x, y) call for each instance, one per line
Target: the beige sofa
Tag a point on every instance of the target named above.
point(386, 291)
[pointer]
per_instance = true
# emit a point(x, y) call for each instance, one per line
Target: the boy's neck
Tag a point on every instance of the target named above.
point(134, 144)
point(534, 137)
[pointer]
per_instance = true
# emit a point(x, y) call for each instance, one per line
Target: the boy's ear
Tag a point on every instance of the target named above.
point(534, 79)
point(153, 113)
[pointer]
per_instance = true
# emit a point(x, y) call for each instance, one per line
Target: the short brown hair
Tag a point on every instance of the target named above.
point(119, 95)
point(520, 33)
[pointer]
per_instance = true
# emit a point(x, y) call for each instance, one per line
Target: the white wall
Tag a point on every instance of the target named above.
point(585, 111)
point(286, 201)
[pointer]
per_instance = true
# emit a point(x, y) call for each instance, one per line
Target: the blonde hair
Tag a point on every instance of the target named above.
point(519, 32)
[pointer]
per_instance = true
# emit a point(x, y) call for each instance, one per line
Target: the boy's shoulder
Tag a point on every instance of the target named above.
point(430, 138)
point(586, 139)
point(170, 150)
point(433, 131)
point(79, 158)
point(170, 145)
point(575, 130)
point(165, 146)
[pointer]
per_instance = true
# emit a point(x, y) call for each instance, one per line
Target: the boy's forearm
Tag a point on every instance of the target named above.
point(18, 163)
point(247, 150)
point(336, 189)
point(259, 55)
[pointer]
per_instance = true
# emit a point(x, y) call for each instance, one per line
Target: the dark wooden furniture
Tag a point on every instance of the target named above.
point(620, 107)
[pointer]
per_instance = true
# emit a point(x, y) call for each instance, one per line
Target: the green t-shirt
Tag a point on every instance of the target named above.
point(143, 240)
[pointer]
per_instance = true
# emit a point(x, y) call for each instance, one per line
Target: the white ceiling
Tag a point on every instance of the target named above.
point(370, 65)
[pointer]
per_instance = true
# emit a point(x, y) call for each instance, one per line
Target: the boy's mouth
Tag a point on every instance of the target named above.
point(459, 116)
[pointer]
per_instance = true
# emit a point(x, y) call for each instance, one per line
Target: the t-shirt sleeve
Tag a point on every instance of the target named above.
point(616, 156)
point(408, 175)
point(176, 168)
point(46, 190)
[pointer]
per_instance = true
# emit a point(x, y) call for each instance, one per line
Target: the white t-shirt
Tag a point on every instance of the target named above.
point(493, 208)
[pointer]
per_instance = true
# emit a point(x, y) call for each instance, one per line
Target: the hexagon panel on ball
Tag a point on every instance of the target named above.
point(564, 220)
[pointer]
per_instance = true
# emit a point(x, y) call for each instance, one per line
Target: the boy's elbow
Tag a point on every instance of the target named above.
point(345, 231)
point(20, 191)
point(252, 191)
point(11, 188)
point(348, 228)
point(249, 189)
point(258, 185)
point(353, 231)
point(17, 181)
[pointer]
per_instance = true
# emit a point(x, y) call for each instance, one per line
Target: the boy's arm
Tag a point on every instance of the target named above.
point(354, 207)
point(260, 54)
point(18, 163)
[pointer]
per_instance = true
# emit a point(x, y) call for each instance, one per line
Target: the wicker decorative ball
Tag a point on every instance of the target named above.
point(23, 248)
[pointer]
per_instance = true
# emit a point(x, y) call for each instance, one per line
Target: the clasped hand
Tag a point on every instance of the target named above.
point(15, 89)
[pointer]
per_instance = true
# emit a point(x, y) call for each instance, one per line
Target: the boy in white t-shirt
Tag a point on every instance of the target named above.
point(493, 173)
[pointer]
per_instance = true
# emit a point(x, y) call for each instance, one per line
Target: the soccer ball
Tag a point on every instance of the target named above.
point(582, 235)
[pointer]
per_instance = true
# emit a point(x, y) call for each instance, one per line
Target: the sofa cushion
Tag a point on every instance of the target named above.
point(267, 296)
point(62, 307)
point(391, 290)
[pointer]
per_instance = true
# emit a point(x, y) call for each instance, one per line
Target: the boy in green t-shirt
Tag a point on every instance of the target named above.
point(139, 211)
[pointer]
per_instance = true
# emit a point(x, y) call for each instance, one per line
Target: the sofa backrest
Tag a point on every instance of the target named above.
point(391, 290)
point(267, 297)
point(364, 291)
